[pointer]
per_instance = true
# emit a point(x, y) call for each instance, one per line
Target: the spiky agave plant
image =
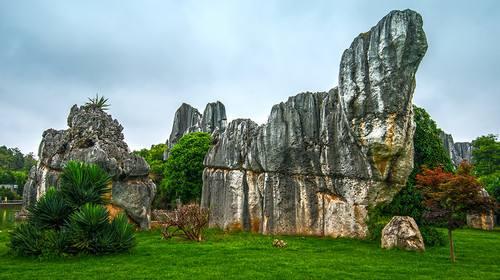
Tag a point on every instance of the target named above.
point(98, 102)
point(83, 183)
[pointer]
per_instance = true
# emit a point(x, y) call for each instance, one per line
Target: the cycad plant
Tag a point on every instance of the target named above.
point(83, 183)
point(91, 231)
point(74, 219)
point(50, 212)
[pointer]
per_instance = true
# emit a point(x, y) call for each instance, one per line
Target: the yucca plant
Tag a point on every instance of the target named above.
point(50, 212)
point(98, 102)
point(83, 183)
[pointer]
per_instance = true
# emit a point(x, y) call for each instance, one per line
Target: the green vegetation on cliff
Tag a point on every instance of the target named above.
point(429, 152)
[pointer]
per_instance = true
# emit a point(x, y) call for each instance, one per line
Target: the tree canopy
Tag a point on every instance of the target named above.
point(184, 167)
point(448, 196)
point(486, 160)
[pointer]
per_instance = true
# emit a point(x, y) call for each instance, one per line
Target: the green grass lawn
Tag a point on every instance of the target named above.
point(251, 256)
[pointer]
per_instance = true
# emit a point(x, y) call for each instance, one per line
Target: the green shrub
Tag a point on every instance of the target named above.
point(91, 231)
point(83, 183)
point(73, 220)
point(121, 234)
point(432, 237)
point(50, 212)
point(55, 243)
point(376, 222)
point(26, 240)
point(87, 227)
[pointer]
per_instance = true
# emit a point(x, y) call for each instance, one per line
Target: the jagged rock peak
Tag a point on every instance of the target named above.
point(323, 159)
point(94, 136)
point(214, 117)
point(188, 119)
point(457, 152)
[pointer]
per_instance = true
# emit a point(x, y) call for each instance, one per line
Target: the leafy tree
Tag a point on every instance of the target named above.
point(154, 157)
point(184, 167)
point(449, 196)
point(486, 160)
point(14, 167)
point(9, 194)
point(486, 155)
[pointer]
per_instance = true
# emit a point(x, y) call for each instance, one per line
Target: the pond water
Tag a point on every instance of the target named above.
point(7, 216)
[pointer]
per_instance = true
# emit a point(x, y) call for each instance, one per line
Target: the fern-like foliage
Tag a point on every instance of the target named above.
point(83, 183)
point(98, 102)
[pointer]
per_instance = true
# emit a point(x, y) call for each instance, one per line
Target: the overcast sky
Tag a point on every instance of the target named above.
point(148, 57)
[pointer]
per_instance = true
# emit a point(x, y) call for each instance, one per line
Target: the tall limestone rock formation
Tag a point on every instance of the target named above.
point(94, 136)
point(187, 119)
point(457, 151)
point(323, 159)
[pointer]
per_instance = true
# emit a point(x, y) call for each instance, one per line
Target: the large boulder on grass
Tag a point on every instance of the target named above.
point(93, 136)
point(402, 232)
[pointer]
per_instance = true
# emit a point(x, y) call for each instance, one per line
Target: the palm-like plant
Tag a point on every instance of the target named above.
point(26, 240)
point(74, 219)
point(98, 102)
point(86, 227)
point(83, 183)
point(121, 234)
point(50, 211)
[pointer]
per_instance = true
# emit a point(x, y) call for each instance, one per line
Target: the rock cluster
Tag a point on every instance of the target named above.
point(94, 136)
point(188, 119)
point(481, 219)
point(459, 151)
point(402, 232)
point(324, 159)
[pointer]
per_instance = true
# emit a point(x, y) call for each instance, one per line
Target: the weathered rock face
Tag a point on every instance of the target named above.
point(323, 159)
point(459, 151)
point(94, 136)
point(463, 151)
point(402, 232)
point(482, 219)
point(187, 119)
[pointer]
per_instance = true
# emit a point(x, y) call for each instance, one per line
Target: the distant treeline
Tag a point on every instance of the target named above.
point(15, 167)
